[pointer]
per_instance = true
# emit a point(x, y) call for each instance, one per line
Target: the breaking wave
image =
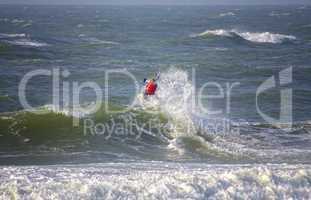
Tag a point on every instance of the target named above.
point(19, 35)
point(28, 43)
point(174, 98)
point(153, 180)
point(168, 121)
point(21, 39)
point(226, 14)
point(192, 130)
point(256, 37)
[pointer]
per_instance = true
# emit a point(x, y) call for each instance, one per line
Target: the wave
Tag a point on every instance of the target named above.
point(16, 35)
point(17, 21)
point(192, 131)
point(27, 43)
point(226, 14)
point(218, 32)
point(80, 26)
point(21, 39)
point(266, 37)
point(159, 120)
point(277, 14)
point(256, 37)
point(156, 180)
point(174, 98)
point(165, 126)
point(47, 124)
point(27, 25)
point(22, 23)
point(96, 41)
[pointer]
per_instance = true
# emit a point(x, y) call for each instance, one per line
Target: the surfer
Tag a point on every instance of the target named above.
point(151, 85)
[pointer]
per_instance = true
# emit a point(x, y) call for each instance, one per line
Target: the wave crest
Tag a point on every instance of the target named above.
point(27, 43)
point(14, 35)
point(266, 37)
point(226, 14)
point(21, 39)
point(257, 37)
point(218, 32)
point(174, 98)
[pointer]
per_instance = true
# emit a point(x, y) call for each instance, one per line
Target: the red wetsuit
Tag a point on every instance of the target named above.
point(150, 87)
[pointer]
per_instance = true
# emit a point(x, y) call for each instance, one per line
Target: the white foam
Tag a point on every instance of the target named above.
point(257, 37)
point(217, 32)
point(21, 39)
point(221, 49)
point(277, 14)
point(226, 14)
point(14, 35)
point(28, 43)
point(174, 97)
point(152, 180)
point(93, 40)
point(80, 26)
point(265, 37)
point(27, 24)
point(78, 113)
point(17, 21)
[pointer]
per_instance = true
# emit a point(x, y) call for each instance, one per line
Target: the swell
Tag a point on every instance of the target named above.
point(21, 39)
point(95, 131)
point(255, 37)
point(164, 126)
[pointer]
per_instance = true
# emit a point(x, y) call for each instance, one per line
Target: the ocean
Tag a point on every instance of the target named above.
point(230, 118)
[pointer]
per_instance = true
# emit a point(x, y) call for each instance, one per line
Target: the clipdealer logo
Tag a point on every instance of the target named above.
point(66, 94)
point(71, 92)
point(284, 78)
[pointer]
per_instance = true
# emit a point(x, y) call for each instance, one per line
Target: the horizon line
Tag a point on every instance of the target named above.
point(150, 4)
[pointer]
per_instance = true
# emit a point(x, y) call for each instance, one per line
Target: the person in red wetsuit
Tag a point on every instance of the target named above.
point(151, 86)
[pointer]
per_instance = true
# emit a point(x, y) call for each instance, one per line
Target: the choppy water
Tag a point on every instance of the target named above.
point(176, 145)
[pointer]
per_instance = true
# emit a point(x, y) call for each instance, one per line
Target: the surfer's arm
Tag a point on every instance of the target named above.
point(157, 76)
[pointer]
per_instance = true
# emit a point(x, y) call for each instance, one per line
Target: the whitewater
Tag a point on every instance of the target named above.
point(155, 180)
point(257, 37)
point(171, 145)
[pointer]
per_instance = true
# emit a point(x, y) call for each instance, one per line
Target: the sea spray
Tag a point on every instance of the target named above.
point(174, 98)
